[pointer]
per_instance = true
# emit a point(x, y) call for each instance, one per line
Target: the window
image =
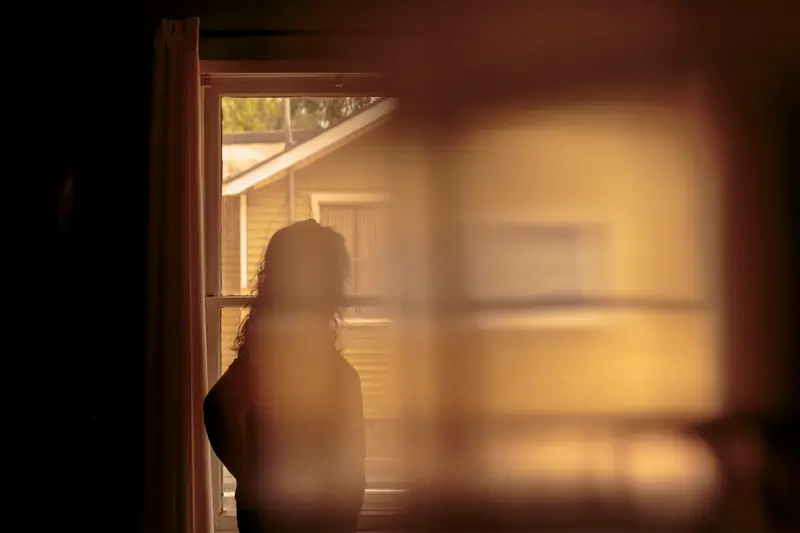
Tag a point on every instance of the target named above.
point(361, 219)
point(267, 158)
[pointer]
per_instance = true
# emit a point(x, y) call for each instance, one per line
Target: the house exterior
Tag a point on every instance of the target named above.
point(618, 200)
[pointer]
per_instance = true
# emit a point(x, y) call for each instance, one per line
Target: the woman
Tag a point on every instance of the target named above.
point(286, 418)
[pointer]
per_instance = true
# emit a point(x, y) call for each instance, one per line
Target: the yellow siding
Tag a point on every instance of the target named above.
point(360, 167)
point(230, 244)
point(231, 318)
point(230, 275)
point(267, 212)
point(372, 352)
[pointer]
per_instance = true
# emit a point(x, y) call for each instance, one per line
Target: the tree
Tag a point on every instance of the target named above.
point(267, 114)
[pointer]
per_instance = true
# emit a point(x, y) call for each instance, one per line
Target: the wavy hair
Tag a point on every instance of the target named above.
point(304, 268)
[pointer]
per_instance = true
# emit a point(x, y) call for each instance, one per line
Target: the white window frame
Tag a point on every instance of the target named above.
point(319, 199)
point(255, 79)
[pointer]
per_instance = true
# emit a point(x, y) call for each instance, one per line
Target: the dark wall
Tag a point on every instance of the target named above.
point(96, 473)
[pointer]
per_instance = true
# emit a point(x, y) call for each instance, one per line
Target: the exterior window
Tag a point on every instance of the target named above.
point(361, 220)
point(268, 158)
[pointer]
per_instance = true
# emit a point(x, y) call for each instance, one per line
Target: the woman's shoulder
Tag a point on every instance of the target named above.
point(231, 378)
point(348, 372)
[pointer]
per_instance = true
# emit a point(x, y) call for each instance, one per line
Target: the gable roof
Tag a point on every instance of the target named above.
point(299, 155)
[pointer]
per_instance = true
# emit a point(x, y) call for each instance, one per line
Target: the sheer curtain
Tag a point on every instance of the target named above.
point(178, 474)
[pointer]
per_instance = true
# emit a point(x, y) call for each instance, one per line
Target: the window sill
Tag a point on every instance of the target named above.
point(377, 515)
point(369, 521)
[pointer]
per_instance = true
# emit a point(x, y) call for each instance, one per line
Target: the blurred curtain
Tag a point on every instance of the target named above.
point(178, 473)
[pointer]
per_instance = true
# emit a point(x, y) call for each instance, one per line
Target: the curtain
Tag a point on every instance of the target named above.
point(178, 473)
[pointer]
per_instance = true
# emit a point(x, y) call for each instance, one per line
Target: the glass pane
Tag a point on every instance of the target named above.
point(372, 349)
point(346, 149)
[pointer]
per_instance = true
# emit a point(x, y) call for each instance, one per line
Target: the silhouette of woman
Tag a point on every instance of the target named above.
point(286, 418)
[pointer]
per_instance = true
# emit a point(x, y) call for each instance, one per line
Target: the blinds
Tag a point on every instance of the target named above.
point(363, 227)
point(369, 349)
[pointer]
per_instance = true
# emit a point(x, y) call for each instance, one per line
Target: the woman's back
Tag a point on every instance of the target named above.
point(304, 448)
point(286, 418)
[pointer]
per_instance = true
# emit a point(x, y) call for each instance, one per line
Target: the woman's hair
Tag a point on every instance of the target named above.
point(304, 270)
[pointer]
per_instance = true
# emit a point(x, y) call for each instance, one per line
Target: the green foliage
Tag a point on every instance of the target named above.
point(267, 114)
point(251, 114)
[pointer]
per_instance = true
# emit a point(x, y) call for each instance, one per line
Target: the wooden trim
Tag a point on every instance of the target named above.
point(344, 198)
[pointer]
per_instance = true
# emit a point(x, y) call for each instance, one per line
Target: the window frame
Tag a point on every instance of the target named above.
point(239, 79)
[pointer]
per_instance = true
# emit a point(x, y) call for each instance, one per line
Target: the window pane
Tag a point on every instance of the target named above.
point(372, 350)
point(352, 156)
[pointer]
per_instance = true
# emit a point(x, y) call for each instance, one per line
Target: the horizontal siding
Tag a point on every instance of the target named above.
point(230, 245)
point(364, 166)
point(372, 353)
point(267, 212)
point(231, 319)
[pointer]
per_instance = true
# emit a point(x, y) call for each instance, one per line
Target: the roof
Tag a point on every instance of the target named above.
point(243, 150)
point(264, 162)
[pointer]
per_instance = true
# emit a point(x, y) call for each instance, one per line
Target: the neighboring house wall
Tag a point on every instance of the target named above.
point(230, 275)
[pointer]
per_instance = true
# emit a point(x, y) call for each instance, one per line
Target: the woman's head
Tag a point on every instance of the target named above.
point(303, 272)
